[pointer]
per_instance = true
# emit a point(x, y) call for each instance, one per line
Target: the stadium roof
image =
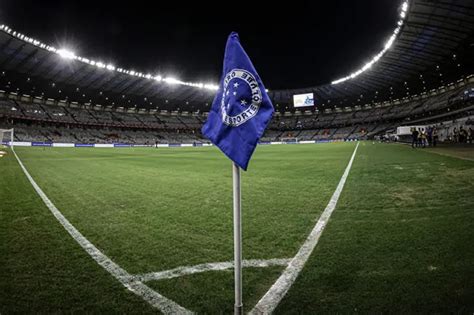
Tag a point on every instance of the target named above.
point(432, 45)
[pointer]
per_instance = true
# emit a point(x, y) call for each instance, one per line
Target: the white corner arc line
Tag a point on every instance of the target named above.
point(155, 299)
point(275, 294)
point(219, 266)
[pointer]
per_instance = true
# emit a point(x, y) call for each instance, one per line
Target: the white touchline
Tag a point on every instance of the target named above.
point(155, 299)
point(189, 270)
point(275, 294)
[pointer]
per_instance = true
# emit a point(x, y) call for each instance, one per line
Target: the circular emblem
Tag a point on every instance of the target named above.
point(241, 97)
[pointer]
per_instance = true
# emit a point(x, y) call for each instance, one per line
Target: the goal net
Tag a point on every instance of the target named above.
point(6, 137)
point(289, 139)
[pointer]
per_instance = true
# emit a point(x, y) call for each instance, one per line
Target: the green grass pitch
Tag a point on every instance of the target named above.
point(400, 240)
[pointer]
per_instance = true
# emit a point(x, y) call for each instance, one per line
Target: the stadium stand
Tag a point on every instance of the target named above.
point(54, 123)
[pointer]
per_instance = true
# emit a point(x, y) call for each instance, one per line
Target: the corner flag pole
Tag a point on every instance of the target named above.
point(241, 97)
point(237, 241)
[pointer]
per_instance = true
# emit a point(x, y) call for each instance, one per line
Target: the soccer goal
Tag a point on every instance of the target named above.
point(289, 139)
point(6, 137)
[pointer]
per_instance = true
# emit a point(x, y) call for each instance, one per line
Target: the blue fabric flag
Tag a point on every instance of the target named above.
point(241, 109)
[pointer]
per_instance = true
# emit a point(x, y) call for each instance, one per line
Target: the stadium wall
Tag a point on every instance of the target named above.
point(167, 145)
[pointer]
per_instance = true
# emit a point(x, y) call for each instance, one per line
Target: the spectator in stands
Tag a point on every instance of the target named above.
point(455, 134)
point(414, 134)
point(470, 135)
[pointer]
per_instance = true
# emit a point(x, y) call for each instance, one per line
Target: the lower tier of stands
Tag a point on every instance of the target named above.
point(44, 122)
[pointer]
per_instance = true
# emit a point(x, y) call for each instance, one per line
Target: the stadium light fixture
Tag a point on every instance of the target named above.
point(405, 6)
point(65, 53)
point(211, 87)
point(171, 80)
point(387, 46)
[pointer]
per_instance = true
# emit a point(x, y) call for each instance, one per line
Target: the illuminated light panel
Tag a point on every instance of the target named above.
point(67, 54)
point(172, 80)
point(387, 46)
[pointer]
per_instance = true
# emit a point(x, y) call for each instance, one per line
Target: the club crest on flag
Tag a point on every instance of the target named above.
point(241, 109)
point(241, 88)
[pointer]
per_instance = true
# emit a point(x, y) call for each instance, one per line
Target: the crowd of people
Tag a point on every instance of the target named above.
point(423, 137)
point(461, 135)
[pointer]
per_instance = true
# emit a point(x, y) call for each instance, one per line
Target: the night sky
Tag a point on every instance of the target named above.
point(292, 45)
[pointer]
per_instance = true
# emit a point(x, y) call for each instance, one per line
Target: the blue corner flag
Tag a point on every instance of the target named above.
point(241, 109)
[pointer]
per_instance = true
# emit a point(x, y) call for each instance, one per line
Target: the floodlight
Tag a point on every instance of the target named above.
point(66, 54)
point(172, 80)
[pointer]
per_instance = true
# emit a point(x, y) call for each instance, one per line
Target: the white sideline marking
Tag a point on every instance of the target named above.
point(189, 270)
point(275, 294)
point(155, 299)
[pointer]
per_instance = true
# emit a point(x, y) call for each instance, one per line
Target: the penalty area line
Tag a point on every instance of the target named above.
point(155, 299)
point(275, 294)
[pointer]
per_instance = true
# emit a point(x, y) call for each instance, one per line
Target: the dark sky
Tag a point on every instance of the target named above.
point(292, 45)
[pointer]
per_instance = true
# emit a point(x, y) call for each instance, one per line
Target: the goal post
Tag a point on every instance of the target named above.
point(289, 139)
point(6, 137)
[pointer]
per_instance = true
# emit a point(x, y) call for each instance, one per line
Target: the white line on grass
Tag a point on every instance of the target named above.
point(189, 270)
point(155, 299)
point(275, 294)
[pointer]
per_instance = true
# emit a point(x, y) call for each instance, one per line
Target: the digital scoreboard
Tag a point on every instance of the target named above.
point(303, 100)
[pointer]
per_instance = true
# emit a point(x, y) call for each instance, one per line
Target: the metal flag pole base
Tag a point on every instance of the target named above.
point(237, 241)
point(238, 310)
